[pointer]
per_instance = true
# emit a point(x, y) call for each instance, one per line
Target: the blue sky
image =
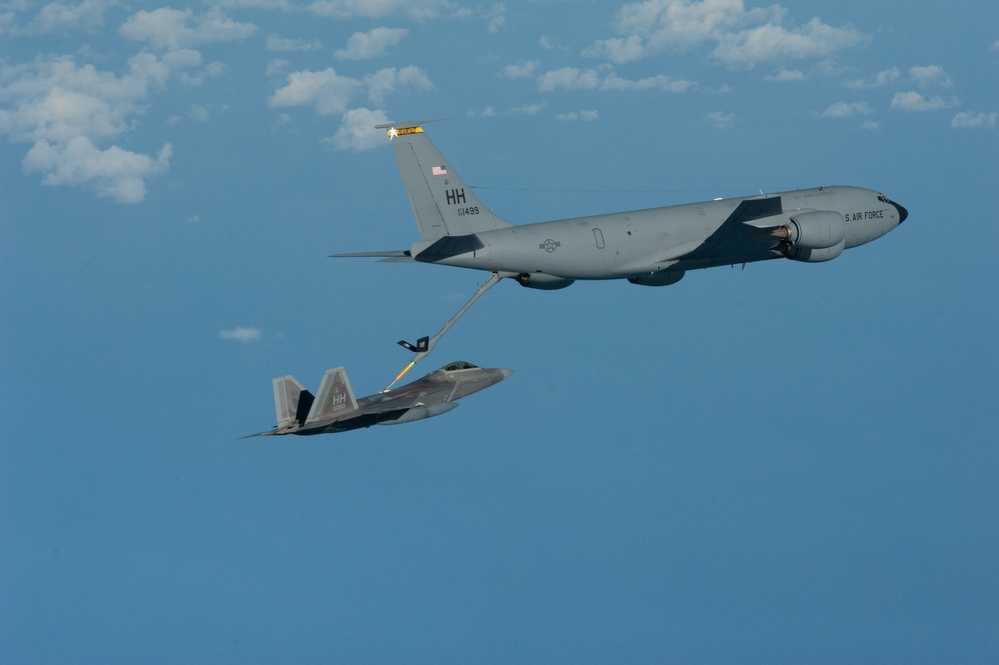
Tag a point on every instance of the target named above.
point(787, 463)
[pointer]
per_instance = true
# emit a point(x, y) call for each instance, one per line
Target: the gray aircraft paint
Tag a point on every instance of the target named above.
point(653, 247)
point(334, 408)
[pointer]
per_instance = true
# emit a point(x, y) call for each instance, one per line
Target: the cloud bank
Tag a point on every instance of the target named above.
point(741, 38)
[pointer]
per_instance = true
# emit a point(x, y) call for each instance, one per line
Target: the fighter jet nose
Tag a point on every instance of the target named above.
point(505, 372)
point(902, 212)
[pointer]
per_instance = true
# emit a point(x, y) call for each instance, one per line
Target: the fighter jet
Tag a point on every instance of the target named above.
point(653, 247)
point(336, 410)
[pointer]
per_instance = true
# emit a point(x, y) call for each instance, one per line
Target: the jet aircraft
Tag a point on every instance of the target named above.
point(335, 409)
point(652, 247)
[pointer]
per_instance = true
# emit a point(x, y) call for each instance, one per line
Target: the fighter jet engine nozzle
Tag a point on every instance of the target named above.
point(812, 236)
point(539, 280)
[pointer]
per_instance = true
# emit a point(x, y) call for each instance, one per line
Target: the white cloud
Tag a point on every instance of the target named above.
point(785, 75)
point(242, 334)
point(972, 120)
point(582, 116)
point(660, 82)
point(846, 110)
point(386, 81)
point(913, 101)
point(684, 22)
point(59, 17)
point(930, 75)
point(417, 9)
point(496, 17)
point(742, 38)
point(371, 44)
point(198, 113)
point(829, 67)
point(721, 119)
point(523, 69)
point(357, 131)
point(114, 173)
point(547, 44)
point(995, 45)
point(66, 111)
point(769, 42)
point(569, 78)
point(171, 29)
point(276, 67)
point(871, 125)
point(602, 78)
point(276, 43)
point(619, 49)
point(211, 70)
point(283, 5)
point(879, 80)
point(528, 109)
point(326, 90)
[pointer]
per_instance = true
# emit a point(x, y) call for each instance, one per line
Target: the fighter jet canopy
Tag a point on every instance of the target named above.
point(458, 364)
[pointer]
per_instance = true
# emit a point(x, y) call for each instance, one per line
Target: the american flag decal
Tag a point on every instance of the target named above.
point(439, 170)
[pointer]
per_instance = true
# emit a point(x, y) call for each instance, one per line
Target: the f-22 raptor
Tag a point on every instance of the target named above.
point(652, 247)
point(334, 408)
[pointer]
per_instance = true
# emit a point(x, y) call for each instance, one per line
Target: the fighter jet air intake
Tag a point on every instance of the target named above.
point(653, 247)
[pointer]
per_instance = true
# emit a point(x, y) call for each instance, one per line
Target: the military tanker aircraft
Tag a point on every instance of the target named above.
point(652, 247)
point(334, 408)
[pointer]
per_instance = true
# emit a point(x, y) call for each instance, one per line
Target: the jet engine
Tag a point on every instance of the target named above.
point(658, 278)
point(539, 280)
point(812, 236)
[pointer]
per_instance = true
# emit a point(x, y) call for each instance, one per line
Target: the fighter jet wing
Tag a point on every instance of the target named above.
point(419, 393)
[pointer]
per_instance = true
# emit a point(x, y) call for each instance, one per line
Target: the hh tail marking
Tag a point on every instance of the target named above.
point(334, 400)
point(442, 202)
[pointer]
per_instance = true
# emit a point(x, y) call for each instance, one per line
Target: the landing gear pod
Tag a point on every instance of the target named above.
point(658, 278)
point(539, 280)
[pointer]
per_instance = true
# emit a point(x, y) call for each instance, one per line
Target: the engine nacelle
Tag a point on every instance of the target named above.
point(539, 280)
point(816, 230)
point(658, 278)
point(815, 255)
point(812, 237)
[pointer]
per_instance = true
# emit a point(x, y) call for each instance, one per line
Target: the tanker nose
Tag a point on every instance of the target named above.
point(902, 212)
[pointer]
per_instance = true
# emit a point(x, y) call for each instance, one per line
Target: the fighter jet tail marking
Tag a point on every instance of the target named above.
point(334, 400)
